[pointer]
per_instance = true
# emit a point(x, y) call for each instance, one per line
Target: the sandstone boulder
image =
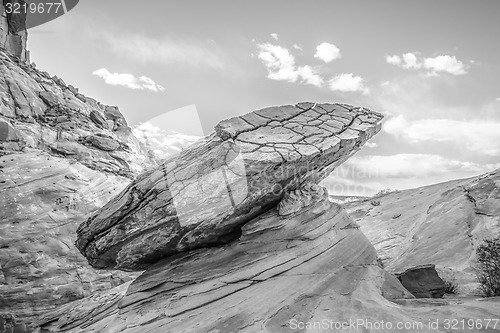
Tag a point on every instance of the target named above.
point(204, 195)
point(422, 281)
point(7, 131)
point(98, 119)
point(103, 142)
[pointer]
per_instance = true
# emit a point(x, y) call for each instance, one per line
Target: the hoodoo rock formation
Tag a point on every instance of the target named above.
point(203, 196)
point(62, 156)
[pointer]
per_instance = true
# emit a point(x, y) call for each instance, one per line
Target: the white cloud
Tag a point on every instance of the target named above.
point(327, 52)
point(371, 145)
point(347, 82)
point(477, 136)
point(163, 143)
point(445, 63)
point(167, 50)
point(280, 64)
point(309, 76)
point(393, 60)
point(416, 165)
point(410, 61)
point(297, 47)
point(366, 175)
point(128, 80)
point(274, 35)
point(498, 99)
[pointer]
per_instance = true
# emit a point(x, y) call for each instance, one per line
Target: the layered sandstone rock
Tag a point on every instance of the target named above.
point(62, 156)
point(203, 196)
point(42, 112)
point(306, 271)
point(305, 266)
point(440, 224)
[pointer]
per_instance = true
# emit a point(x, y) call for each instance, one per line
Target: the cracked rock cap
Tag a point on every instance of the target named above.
point(204, 196)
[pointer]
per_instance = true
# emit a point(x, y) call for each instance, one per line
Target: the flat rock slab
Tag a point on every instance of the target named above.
point(203, 196)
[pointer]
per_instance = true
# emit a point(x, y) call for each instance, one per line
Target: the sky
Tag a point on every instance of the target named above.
point(431, 67)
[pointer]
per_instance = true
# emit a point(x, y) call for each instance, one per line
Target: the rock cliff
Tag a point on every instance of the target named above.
point(13, 33)
point(62, 156)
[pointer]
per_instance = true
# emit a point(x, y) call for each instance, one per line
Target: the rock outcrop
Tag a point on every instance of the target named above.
point(13, 33)
point(422, 281)
point(41, 112)
point(302, 267)
point(203, 196)
point(307, 271)
point(62, 156)
point(440, 224)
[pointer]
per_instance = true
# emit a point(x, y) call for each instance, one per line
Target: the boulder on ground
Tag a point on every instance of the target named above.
point(422, 281)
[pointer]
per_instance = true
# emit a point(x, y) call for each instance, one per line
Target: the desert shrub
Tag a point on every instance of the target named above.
point(488, 267)
point(450, 283)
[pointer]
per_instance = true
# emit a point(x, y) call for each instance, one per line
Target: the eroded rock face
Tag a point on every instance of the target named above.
point(42, 112)
point(43, 198)
point(422, 281)
point(203, 196)
point(459, 213)
point(302, 197)
point(57, 165)
point(305, 266)
point(13, 34)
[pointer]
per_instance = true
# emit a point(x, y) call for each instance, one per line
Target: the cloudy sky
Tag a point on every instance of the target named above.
point(432, 67)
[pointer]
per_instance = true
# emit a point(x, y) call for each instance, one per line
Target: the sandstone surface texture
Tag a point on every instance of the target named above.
point(204, 195)
point(286, 273)
point(62, 156)
point(440, 224)
point(304, 266)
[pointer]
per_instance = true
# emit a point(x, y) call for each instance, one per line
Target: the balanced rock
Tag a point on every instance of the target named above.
point(203, 196)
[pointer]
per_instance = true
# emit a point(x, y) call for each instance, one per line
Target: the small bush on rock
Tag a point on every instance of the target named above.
point(450, 283)
point(488, 267)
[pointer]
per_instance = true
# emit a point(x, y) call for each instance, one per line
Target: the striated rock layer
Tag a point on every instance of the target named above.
point(307, 271)
point(62, 156)
point(440, 224)
point(202, 197)
point(305, 266)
